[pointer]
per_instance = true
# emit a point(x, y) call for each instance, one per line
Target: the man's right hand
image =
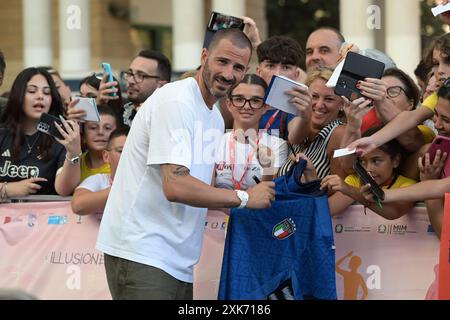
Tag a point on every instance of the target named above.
point(261, 195)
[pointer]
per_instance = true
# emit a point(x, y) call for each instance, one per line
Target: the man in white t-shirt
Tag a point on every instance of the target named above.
point(152, 227)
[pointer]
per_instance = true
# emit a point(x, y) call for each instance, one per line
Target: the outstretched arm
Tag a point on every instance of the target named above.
point(179, 186)
point(404, 121)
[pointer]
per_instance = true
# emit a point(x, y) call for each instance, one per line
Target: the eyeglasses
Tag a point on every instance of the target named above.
point(240, 101)
point(446, 83)
point(394, 91)
point(138, 77)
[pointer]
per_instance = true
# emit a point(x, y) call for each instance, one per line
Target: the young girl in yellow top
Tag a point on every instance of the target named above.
point(381, 164)
point(95, 138)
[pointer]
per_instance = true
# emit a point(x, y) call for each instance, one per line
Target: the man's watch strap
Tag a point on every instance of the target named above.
point(244, 197)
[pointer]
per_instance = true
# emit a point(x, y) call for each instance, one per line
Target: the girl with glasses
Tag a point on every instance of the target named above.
point(393, 93)
point(246, 151)
point(439, 56)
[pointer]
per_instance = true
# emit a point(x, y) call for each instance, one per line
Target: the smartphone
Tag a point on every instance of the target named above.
point(47, 125)
point(367, 179)
point(441, 143)
point(218, 21)
point(89, 105)
point(107, 69)
point(356, 68)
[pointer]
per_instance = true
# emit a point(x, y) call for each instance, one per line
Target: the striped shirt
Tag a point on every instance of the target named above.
point(316, 151)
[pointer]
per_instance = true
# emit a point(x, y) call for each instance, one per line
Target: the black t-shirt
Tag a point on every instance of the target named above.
point(30, 165)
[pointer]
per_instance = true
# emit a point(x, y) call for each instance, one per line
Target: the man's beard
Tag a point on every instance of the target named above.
point(206, 76)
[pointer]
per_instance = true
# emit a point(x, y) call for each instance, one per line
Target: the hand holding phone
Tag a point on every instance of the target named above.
point(441, 143)
point(367, 179)
point(219, 21)
point(356, 68)
point(108, 70)
point(47, 125)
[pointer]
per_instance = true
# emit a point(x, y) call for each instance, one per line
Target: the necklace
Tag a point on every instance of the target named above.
point(30, 147)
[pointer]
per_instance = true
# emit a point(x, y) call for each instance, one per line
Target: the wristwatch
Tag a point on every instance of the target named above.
point(243, 196)
point(74, 160)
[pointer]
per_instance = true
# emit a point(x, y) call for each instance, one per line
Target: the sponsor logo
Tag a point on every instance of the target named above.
point(339, 228)
point(7, 220)
point(57, 220)
point(23, 172)
point(31, 220)
point(284, 229)
point(221, 165)
point(6, 154)
point(399, 229)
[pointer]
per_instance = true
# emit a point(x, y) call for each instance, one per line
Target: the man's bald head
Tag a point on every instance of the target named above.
point(322, 48)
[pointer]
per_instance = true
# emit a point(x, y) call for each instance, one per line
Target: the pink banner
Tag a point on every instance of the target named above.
point(444, 258)
point(379, 258)
point(391, 259)
point(48, 251)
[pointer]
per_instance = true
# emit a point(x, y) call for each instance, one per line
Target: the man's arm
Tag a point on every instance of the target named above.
point(179, 186)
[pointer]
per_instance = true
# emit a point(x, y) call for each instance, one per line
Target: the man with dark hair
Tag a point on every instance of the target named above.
point(281, 55)
point(2, 74)
point(323, 48)
point(152, 229)
point(148, 71)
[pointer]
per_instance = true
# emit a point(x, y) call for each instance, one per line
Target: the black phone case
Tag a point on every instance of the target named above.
point(367, 179)
point(356, 68)
point(46, 125)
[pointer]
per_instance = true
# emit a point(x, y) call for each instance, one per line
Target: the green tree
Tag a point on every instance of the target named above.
point(298, 18)
point(431, 26)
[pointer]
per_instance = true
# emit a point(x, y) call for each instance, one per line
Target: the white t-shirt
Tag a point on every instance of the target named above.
point(242, 151)
point(174, 126)
point(95, 183)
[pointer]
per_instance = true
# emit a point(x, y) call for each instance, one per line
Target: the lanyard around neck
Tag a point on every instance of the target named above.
point(232, 145)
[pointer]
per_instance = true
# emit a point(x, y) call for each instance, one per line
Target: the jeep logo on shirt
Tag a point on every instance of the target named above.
point(23, 172)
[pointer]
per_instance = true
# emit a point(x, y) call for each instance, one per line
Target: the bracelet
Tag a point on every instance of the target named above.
point(1, 192)
point(78, 156)
point(4, 192)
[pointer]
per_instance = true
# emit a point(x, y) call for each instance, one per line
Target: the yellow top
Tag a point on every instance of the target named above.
point(427, 133)
point(87, 172)
point(431, 102)
point(401, 182)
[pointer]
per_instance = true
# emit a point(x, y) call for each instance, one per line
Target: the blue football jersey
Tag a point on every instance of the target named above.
point(290, 242)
